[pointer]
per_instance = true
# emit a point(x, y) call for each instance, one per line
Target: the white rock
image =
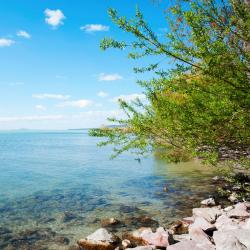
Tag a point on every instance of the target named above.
point(210, 214)
point(202, 239)
point(101, 235)
point(185, 245)
point(126, 243)
point(208, 202)
point(233, 197)
point(226, 240)
point(246, 224)
point(202, 223)
point(142, 248)
point(240, 211)
point(226, 223)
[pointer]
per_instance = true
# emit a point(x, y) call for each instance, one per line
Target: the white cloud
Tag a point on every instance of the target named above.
point(109, 77)
point(23, 33)
point(54, 17)
point(83, 103)
point(15, 84)
point(94, 27)
point(31, 118)
point(102, 94)
point(51, 96)
point(6, 42)
point(129, 98)
point(40, 107)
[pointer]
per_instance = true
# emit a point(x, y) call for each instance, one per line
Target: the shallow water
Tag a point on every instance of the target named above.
point(62, 185)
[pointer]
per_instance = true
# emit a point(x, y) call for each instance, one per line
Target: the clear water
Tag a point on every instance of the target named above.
point(47, 174)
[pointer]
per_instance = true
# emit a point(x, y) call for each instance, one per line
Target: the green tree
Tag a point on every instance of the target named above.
point(200, 106)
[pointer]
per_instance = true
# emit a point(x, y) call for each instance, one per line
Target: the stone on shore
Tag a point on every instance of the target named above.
point(101, 239)
point(145, 236)
point(202, 239)
point(142, 248)
point(226, 223)
point(179, 227)
point(210, 214)
point(202, 223)
point(229, 240)
point(185, 245)
point(240, 211)
point(208, 202)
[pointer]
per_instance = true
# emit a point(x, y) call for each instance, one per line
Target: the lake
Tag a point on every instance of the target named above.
point(60, 183)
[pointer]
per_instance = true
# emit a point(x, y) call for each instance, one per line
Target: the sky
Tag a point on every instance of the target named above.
point(53, 73)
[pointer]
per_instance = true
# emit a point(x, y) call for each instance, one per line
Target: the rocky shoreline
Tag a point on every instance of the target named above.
point(209, 227)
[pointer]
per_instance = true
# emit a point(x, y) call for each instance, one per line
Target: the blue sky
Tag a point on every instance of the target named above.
point(53, 74)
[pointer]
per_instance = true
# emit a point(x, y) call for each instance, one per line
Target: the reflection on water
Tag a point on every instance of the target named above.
point(56, 187)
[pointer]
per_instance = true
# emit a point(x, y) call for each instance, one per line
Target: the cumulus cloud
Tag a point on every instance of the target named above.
point(51, 96)
point(109, 77)
point(40, 107)
point(94, 28)
point(54, 17)
point(23, 33)
point(4, 42)
point(31, 118)
point(129, 98)
point(102, 94)
point(83, 103)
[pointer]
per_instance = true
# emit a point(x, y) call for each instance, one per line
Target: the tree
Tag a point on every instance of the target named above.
point(199, 107)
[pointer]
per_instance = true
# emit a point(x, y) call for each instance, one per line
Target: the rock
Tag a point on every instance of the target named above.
point(145, 236)
point(141, 221)
point(247, 224)
point(181, 237)
point(240, 211)
point(68, 216)
point(225, 240)
point(188, 220)
point(128, 209)
point(142, 248)
point(126, 243)
point(159, 239)
point(198, 235)
point(226, 223)
point(228, 208)
point(233, 197)
point(208, 202)
point(200, 222)
point(210, 214)
point(110, 222)
point(62, 240)
point(185, 245)
point(101, 239)
point(5, 230)
point(179, 227)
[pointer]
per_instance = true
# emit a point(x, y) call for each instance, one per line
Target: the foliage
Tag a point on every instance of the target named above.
point(198, 107)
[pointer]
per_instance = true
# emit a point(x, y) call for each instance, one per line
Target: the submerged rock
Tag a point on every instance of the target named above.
point(69, 216)
point(101, 239)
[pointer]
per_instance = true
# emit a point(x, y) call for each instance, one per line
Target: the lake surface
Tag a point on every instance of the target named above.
point(57, 187)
